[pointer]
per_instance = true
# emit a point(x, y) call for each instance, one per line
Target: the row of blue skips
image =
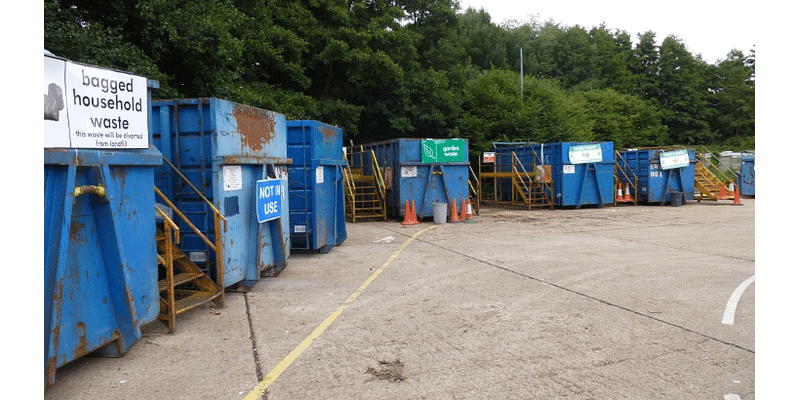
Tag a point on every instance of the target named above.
point(584, 174)
point(100, 254)
point(100, 219)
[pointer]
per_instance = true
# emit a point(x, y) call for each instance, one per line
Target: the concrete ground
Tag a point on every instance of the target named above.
point(624, 302)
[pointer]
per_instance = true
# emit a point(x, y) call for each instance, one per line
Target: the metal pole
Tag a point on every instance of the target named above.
point(520, 74)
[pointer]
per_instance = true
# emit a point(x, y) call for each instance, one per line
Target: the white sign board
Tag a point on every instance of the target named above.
point(674, 159)
point(320, 174)
point(231, 177)
point(91, 107)
point(408, 172)
point(585, 154)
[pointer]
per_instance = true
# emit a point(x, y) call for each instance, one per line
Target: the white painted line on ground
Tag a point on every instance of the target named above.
point(730, 310)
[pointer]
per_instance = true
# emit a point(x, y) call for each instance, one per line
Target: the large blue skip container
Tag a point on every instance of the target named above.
point(100, 271)
point(581, 173)
point(224, 149)
point(747, 176)
point(657, 182)
point(100, 268)
point(427, 171)
point(316, 186)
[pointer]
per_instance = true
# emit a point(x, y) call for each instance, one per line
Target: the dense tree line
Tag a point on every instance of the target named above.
point(383, 69)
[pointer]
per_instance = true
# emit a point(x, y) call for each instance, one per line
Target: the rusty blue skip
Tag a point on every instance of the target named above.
point(224, 148)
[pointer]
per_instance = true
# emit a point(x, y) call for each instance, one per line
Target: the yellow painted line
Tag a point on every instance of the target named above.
point(262, 386)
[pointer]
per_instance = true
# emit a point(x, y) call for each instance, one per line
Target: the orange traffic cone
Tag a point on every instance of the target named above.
point(468, 216)
point(463, 209)
point(736, 200)
point(454, 213)
point(411, 215)
point(723, 194)
point(619, 193)
point(628, 193)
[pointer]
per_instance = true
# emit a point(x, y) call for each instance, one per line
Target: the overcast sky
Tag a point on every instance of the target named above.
point(711, 28)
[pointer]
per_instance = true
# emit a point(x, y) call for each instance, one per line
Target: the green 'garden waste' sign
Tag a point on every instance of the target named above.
point(443, 150)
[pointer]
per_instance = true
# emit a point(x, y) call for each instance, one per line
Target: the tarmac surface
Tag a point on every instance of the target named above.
point(627, 302)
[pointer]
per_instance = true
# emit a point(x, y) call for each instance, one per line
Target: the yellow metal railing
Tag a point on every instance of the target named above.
point(475, 190)
point(171, 230)
point(711, 163)
point(218, 220)
point(532, 186)
point(379, 182)
point(521, 183)
point(361, 204)
point(632, 180)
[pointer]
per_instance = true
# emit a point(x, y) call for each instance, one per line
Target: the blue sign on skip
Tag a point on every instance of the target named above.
point(268, 199)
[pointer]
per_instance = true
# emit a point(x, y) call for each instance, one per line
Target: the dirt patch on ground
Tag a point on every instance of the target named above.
point(391, 371)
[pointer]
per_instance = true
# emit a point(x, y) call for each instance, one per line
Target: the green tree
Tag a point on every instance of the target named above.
point(612, 53)
point(195, 43)
point(493, 111)
point(644, 64)
point(71, 32)
point(486, 43)
point(733, 99)
point(626, 120)
point(683, 94)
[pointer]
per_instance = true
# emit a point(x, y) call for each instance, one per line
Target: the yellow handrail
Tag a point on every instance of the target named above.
point(185, 219)
point(379, 182)
point(351, 186)
point(548, 184)
point(217, 246)
point(168, 220)
point(713, 167)
point(217, 213)
point(634, 182)
point(528, 190)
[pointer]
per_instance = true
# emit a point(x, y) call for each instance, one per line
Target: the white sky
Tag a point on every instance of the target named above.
point(709, 27)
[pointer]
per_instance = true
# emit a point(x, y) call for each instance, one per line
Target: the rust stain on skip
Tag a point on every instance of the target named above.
point(55, 332)
point(82, 348)
point(257, 126)
point(76, 231)
point(328, 134)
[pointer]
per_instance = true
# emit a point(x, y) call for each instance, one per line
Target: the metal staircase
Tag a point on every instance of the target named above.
point(182, 284)
point(474, 191)
point(625, 178)
point(707, 183)
point(365, 188)
point(518, 184)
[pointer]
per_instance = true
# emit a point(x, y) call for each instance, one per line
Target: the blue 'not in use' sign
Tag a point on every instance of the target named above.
point(268, 199)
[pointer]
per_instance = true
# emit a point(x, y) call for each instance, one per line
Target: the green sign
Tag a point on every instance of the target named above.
point(674, 159)
point(585, 154)
point(444, 150)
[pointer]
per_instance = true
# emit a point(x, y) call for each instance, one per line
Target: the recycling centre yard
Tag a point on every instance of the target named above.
point(626, 302)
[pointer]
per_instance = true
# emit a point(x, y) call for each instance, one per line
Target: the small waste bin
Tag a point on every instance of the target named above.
point(676, 199)
point(439, 213)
